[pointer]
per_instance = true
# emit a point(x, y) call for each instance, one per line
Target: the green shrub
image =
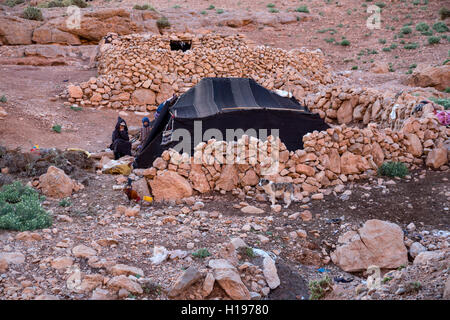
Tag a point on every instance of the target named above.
point(345, 43)
point(57, 128)
point(79, 3)
point(12, 3)
point(201, 253)
point(405, 30)
point(3, 99)
point(447, 90)
point(393, 169)
point(33, 13)
point(271, 5)
point(20, 209)
point(440, 27)
point(427, 33)
point(382, 41)
point(330, 40)
point(444, 13)
point(355, 68)
point(317, 288)
point(387, 49)
point(302, 9)
point(163, 23)
point(411, 46)
point(422, 27)
point(380, 4)
point(211, 7)
point(75, 108)
point(442, 101)
point(393, 46)
point(203, 12)
point(220, 11)
point(273, 10)
point(433, 40)
point(65, 203)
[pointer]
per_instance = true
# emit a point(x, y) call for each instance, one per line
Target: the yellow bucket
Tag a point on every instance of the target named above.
point(148, 199)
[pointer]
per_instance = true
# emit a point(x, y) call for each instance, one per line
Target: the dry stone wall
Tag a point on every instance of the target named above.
point(138, 72)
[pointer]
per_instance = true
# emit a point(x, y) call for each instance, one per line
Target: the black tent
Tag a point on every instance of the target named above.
point(229, 103)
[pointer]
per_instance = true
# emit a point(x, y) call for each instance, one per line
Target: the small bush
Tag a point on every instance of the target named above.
point(330, 40)
point(382, 41)
point(20, 209)
point(393, 46)
point(444, 13)
point(302, 9)
point(434, 40)
point(76, 108)
point(3, 99)
point(201, 253)
point(387, 49)
point(220, 11)
point(442, 101)
point(345, 43)
point(65, 203)
point(79, 3)
point(355, 68)
point(440, 27)
point(274, 10)
point(380, 4)
point(163, 23)
point(33, 13)
point(12, 3)
point(393, 169)
point(211, 7)
point(405, 30)
point(411, 46)
point(271, 5)
point(57, 128)
point(422, 27)
point(318, 288)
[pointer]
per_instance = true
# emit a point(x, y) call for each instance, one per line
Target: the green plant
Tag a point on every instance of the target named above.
point(413, 286)
point(273, 10)
point(380, 4)
point(12, 3)
point(57, 128)
point(444, 13)
point(220, 11)
point(3, 99)
point(201, 253)
point(144, 7)
point(56, 4)
point(414, 65)
point(393, 169)
point(447, 90)
point(345, 43)
point(382, 41)
point(65, 203)
point(79, 3)
point(302, 9)
point(329, 40)
point(387, 49)
point(76, 108)
point(433, 40)
point(318, 288)
point(411, 46)
point(355, 68)
point(163, 23)
point(440, 27)
point(401, 267)
point(20, 208)
point(211, 7)
point(33, 13)
point(422, 26)
point(405, 30)
point(386, 279)
point(442, 101)
point(270, 5)
point(391, 68)
point(203, 12)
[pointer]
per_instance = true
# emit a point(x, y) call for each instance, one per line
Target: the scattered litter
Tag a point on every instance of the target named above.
point(343, 280)
point(322, 270)
point(264, 254)
point(159, 254)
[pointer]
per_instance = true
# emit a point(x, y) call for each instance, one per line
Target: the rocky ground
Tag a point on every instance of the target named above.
point(97, 240)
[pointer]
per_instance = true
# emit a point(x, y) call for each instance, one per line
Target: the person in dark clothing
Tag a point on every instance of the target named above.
point(121, 145)
point(145, 132)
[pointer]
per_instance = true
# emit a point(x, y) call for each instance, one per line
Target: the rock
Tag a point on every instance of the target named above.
point(12, 257)
point(73, 283)
point(228, 179)
point(270, 273)
point(198, 179)
point(160, 254)
point(379, 67)
point(306, 215)
point(47, 34)
point(3, 265)
point(28, 236)
point(305, 169)
point(170, 185)
point(416, 248)
point(335, 161)
point(75, 92)
point(345, 112)
point(238, 243)
point(350, 163)
point(82, 251)
point(446, 294)
point(208, 284)
point(425, 257)
point(317, 196)
point(133, 212)
point(415, 146)
point(62, 263)
point(188, 278)
point(252, 210)
point(437, 77)
point(141, 187)
point(122, 282)
point(56, 184)
point(91, 282)
point(143, 97)
point(250, 178)
point(276, 208)
point(437, 158)
point(229, 280)
point(46, 297)
point(377, 243)
point(101, 294)
point(16, 31)
point(123, 269)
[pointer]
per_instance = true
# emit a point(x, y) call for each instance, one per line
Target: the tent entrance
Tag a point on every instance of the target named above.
point(180, 45)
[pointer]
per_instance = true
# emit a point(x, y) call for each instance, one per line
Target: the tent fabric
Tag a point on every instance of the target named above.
point(230, 103)
point(215, 95)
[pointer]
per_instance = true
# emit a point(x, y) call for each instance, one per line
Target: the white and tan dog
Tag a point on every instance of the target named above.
point(278, 190)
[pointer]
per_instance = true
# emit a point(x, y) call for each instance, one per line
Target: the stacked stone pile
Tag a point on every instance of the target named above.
point(138, 72)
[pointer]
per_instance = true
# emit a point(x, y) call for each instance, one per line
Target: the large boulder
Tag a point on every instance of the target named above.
point(56, 184)
point(198, 179)
point(229, 279)
point(143, 97)
point(379, 67)
point(47, 34)
point(378, 243)
point(169, 185)
point(345, 112)
point(229, 178)
point(438, 77)
point(437, 158)
point(188, 278)
point(414, 145)
point(16, 31)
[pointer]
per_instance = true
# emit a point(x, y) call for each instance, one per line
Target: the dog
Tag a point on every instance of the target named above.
point(274, 190)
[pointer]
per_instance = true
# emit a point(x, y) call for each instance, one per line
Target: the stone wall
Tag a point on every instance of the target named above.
point(329, 158)
point(138, 72)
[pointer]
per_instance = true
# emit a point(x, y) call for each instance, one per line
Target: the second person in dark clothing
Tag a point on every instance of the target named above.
point(121, 145)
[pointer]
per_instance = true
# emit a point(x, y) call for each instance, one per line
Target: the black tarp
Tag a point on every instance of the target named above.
point(231, 103)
